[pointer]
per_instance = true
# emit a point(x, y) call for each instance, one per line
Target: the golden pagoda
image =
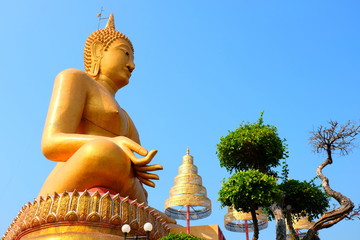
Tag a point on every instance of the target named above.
point(301, 225)
point(188, 198)
point(238, 221)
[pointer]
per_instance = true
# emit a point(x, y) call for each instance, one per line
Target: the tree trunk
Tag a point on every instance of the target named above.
point(256, 225)
point(280, 221)
point(290, 226)
point(331, 217)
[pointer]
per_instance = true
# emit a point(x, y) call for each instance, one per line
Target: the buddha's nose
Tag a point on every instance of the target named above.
point(130, 66)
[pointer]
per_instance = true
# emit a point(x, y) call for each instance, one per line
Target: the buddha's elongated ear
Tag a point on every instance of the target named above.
point(96, 55)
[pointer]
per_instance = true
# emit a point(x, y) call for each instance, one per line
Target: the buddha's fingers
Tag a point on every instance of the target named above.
point(146, 182)
point(142, 161)
point(132, 145)
point(146, 175)
point(147, 168)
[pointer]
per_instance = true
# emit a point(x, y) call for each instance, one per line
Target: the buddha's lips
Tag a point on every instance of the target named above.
point(128, 73)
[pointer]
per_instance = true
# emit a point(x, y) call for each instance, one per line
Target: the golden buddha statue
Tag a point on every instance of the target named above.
point(86, 131)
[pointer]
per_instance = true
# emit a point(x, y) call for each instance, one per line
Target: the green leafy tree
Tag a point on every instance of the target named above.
point(298, 199)
point(258, 146)
point(251, 146)
point(248, 191)
point(180, 236)
point(302, 199)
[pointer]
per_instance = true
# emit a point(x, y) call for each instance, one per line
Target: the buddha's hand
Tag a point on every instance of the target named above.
point(140, 164)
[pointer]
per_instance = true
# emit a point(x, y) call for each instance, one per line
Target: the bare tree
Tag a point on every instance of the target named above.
point(354, 214)
point(335, 138)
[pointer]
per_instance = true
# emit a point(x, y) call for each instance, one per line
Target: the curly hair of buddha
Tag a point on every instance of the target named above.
point(106, 36)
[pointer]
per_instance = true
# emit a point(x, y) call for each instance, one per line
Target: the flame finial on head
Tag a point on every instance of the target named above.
point(110, 23)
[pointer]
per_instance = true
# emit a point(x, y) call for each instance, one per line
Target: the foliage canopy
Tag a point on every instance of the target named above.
point(180, 236)
point(304, 199)
point(249, 190)
point(301, 198)
point(251, 146)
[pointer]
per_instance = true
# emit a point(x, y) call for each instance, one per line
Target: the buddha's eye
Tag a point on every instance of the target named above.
point(126, 52)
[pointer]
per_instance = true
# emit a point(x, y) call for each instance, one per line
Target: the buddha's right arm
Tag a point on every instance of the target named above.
point(60, 140)
point(61, 146)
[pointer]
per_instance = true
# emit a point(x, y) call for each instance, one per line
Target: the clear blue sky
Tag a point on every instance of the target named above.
point(202, 67)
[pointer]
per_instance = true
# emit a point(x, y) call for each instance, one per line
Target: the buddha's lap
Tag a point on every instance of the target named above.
point(99, 163)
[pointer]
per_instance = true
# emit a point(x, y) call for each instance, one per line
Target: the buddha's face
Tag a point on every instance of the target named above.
point(117, 62)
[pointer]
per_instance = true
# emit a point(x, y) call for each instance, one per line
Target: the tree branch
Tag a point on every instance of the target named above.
point(354, 214)
point(290, 225)
point(256, 224)
point(334, 138)
point(280, 222)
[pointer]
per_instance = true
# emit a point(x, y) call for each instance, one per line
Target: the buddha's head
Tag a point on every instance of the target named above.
point(99, 42)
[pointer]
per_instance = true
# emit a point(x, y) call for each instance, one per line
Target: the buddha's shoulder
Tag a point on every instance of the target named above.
point(72, 74)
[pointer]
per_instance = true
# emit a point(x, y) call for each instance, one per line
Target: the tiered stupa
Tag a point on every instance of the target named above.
point(188, 198)
point(301, 225)
point(237, 221)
